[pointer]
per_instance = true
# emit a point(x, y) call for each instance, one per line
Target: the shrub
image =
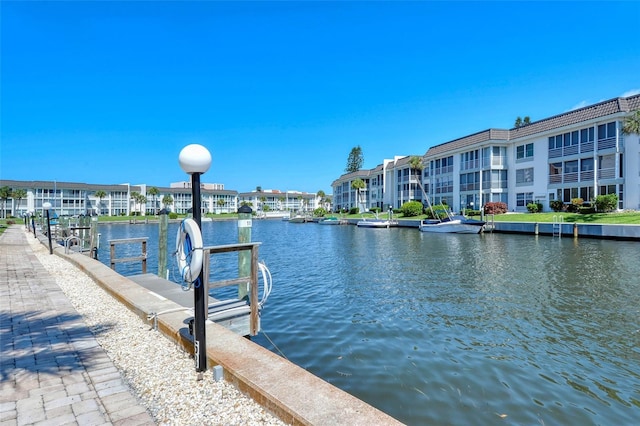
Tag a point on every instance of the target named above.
point(556, 205)
point(606, 203)
point(375, 209)
point(575, 205)
point(354, 210)
point(534, 207)
point(440, 210)
point(586, 210)
point(495, 208)
point(470, 212)
point(319, 212)
point(173, 215)
point(411, 208)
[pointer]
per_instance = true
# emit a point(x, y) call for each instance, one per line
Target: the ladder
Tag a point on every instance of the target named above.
point(557, 226)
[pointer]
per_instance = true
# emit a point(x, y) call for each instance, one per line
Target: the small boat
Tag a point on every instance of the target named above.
point(374, 223)
point(377, 222)
point(454, 224)
point(297, 219)
point(331, 220)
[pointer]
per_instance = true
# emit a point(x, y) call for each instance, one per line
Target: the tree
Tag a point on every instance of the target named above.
point(358, 185)
point(5, 194)
point(154, 192)
point(631, 125)
point(221, 202)
point(320, 194)
point(100, 194)
point(134, 196)
point(167, 200)
point(18, 195)
point(416, 166)
point(520, 122)
point(355, 160)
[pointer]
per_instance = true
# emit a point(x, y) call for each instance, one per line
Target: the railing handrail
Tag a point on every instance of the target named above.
point(143, 257)
point(252, 278)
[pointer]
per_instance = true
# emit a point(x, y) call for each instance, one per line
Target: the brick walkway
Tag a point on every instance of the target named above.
point(52, 370)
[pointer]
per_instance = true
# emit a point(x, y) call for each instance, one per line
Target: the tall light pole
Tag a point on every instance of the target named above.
point(195, 160)
point(47, 206)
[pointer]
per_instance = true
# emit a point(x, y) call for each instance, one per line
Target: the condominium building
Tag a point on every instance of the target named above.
point(578, 154)
point(69, 198)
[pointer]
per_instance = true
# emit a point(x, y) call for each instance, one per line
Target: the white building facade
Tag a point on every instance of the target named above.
point(577, 154)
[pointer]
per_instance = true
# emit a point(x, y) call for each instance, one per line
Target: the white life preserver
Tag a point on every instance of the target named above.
point(189, 250)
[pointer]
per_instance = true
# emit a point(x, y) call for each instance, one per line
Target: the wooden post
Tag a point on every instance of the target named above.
point(535, 232)
point(162, 244)
point(244, 256)
point(575, 230)
point(94, 243)
point(144, 256)
point(112, 250)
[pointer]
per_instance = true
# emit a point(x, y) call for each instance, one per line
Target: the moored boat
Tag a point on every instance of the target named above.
point(455, 224)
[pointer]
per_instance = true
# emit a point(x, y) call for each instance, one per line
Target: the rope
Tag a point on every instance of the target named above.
point(274, 345)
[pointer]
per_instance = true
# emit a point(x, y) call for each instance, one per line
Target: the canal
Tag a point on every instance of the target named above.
point(447, 329)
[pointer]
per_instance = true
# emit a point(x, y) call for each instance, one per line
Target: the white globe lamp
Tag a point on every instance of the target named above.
point(194, 158)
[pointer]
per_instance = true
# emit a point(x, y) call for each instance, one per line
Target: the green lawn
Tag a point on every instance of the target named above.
point(627, 217)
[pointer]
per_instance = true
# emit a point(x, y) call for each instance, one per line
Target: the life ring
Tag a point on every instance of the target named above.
point(189, 250)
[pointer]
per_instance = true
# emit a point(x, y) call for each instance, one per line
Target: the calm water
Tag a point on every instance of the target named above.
point(449, 329)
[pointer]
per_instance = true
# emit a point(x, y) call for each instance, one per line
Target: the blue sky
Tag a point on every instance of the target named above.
point(280, 92)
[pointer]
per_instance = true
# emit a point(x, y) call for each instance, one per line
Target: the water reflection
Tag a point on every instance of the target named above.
point(453, 329)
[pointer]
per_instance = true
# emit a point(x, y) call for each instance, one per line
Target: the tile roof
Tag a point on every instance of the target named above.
point(591, 112)
point(484, 136)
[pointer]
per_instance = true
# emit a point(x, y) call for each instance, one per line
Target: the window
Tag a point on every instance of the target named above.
point(607, 131)
point(586, 164)
point(524, 176)
point(524, 198)
point(571, 166)
point(586, 135)
point(524, 151)
point(555, 168)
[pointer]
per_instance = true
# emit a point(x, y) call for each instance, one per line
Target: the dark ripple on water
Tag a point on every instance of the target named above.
point(455, 329)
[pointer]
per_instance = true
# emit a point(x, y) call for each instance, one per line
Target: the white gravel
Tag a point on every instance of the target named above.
point(161, 374)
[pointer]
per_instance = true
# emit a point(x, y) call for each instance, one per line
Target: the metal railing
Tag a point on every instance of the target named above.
point(252, 279)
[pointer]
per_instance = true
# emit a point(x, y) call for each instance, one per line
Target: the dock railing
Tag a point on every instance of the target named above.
point(254, 324)
point(140, 258)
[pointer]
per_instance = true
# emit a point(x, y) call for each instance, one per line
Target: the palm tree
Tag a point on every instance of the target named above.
point(153, 191)
point(141, 199)
point(281, 199)
point(220, 202)
point(167, 200)
point(134, 196)
point(358, 185)
point(100, 194)
point(631, 124)
point(322, 197)
point(18, 195)
point(416, 166)
point(5, 194)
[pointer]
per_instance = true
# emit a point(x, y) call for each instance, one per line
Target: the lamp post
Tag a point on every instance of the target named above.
point(195, 160)
point(47, 207)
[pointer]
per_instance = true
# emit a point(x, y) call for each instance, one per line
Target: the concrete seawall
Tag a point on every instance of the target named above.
point(618, 232)
point(291, 393)
point(588, 230)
